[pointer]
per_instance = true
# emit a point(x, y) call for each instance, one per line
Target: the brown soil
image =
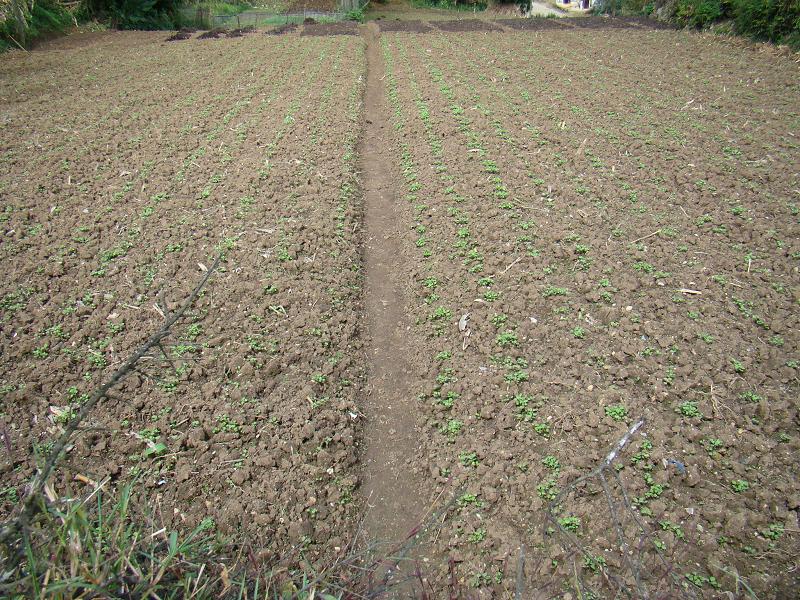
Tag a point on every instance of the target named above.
point(563, 210)
point(462, 25)
point(456, 266)
point(404, 26)
point(213, 34)
point(242, 31)
point(283, 29)
point(324, 29)
point(392, 493)
point(646, 22)
point(532, 24)
point(260, 420)
point(600, 23)
point(179, 36)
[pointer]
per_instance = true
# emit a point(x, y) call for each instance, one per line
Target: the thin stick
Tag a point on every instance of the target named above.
point(646, 236)
point(21, 47)
point(621, 444)
point(519, 258)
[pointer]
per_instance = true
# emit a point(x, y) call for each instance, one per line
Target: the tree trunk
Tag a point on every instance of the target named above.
point(18, 11)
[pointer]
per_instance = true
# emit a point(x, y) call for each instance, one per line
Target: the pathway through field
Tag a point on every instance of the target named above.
point(391, 494)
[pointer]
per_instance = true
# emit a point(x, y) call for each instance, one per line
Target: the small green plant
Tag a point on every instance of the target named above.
point(777, 341)
point(669, 377)
point(507, 338)
point(738, 366)
point(452, 427)
point(554, 291)
point(594, 563)
point(774, 531)
point(469, 459)
point(477, 536)
point(689, 409)
point(750, 396)
point(578, 332)
point(701, 580)
point(468, 499)
point(676, 530)
point(712, 445)
point(552, 463)
point(548, 490)
point(42, 351)
point(571, 524)
point(616, 411)
point(498, 320)
point(226, 424)
point(740, 485)
point(442, 313)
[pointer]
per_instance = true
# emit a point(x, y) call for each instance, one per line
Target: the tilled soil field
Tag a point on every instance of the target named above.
point(599, 247)
point(118, 190)
point(594, 241)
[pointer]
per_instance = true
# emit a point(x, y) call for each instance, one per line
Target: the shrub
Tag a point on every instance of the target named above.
point(699, 13)
point(142, 14)
point(769, 20)
point(44, 17)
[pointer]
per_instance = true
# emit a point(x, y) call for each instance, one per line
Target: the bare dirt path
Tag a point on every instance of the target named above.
point(390, 491)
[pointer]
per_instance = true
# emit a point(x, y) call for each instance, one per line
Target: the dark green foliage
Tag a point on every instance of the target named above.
point(134, 14)
point(468, 5)
point(143, 14)
point(773, 20)
point(624, 7)
point(767, 20)
point(45, 17)
point(700, 13)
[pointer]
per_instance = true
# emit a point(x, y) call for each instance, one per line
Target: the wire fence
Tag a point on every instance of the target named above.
point(202, 18)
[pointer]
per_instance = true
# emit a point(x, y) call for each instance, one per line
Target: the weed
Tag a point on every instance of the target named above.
point(451, 428)
point(571, 524)
point(740, 485)
point(750, 396)
point(689, 409)
point(42, 351)
point(676, 530)
point(552, 463)
point(507, 338)
point(776, 341)
point(554, 291)
point(617, 412)
point(442, 313)
point(226, 424)
point(477, 536)
point(468, 499)
point(701, 580)
point(548, 490)
point(469, 459)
